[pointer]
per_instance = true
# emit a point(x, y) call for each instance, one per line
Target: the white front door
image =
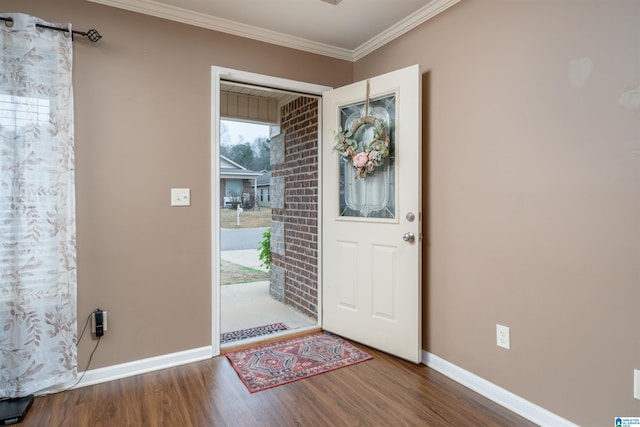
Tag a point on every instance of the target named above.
point(371, 242)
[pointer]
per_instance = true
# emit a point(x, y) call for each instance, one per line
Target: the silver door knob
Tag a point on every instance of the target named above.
point(409, 237)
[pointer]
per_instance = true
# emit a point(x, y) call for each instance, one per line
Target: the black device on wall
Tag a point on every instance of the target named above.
point(99, 322)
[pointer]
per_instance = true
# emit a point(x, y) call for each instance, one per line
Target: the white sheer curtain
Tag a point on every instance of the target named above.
point(37, 209)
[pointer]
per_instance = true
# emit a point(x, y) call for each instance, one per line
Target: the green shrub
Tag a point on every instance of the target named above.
point(265, 248)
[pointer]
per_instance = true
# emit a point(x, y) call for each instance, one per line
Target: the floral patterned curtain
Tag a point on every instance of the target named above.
point(37, 208)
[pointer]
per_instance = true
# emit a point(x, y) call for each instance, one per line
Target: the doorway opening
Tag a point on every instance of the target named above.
point(268, 212)
point(370, 281)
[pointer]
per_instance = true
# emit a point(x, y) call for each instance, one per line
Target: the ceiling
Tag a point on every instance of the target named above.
point(347, 30)
point(282, 96)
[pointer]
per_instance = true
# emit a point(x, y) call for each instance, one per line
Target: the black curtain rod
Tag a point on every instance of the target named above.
point(92, 34)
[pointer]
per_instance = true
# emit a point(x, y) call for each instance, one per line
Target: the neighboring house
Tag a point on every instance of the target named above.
point(237, 184)
point(263, 185)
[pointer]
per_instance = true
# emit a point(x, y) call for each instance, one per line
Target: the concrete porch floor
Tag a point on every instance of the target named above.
point(247, 305)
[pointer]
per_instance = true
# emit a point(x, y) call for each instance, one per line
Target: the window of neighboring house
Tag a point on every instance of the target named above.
point(262, 194)
point(234, 188)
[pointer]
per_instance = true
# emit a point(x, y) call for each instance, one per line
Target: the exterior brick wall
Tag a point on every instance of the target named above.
point(299, 212)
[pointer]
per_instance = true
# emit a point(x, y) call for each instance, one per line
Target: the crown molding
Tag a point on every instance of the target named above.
point(409, 23)
point(153, 8)
point(173, 13)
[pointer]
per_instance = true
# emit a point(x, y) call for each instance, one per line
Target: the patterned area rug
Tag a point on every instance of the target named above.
point(252, 332)
point(282, 362)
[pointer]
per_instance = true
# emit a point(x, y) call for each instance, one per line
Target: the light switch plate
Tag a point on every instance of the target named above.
point(180, 197)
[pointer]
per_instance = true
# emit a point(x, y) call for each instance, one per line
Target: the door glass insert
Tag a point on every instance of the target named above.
point(367, 174)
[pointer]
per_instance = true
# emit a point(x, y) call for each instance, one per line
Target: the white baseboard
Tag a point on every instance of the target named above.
point(502, 397)
point(137, 367)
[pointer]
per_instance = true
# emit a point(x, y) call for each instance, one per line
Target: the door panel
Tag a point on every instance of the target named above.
point(383, 283)
point(371, 276)
point(347, 275)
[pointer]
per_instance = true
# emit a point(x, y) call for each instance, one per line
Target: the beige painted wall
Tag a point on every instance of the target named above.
point(533, 196)
point(533, 186)
point(142, 101)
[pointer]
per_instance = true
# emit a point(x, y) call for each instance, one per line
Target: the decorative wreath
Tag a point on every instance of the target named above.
point(365, 158)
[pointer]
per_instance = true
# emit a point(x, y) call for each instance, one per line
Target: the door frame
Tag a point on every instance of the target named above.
point(238, 76)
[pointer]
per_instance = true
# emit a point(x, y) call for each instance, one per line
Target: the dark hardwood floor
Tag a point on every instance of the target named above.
point(385, 391)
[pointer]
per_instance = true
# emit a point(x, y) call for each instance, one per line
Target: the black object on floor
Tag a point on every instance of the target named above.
point(12, 411)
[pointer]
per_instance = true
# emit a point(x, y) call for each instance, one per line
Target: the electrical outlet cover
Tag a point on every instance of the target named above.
point(502, 337)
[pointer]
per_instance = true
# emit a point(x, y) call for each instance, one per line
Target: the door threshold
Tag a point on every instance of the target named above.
point(262, 340)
